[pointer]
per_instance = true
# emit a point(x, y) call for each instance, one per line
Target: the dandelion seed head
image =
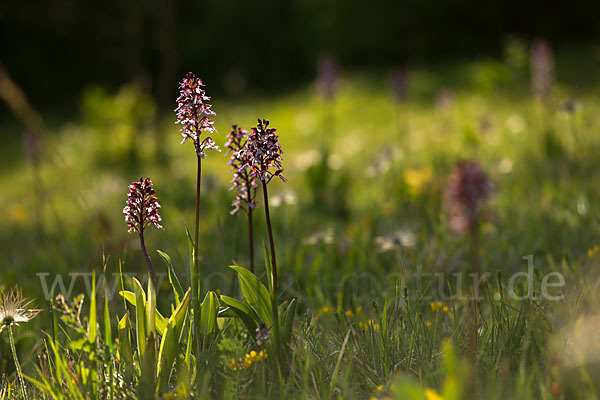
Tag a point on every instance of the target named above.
point(14, 309)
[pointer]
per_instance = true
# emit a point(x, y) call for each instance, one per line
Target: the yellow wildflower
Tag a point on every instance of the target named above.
point(416, 179)
point(436, 305)
point(349, 313)
point(324, 310)
point(370, 324)
point(249, 359)
point(18, 213)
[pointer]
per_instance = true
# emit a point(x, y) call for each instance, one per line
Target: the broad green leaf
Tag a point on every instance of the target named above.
point(209, 310)
point(122, 283)
point(179, 314)
point(268, 267)
point(150, 307)
point(256, 294)
point(175, 284)
point(226, 312)
point(244, 312)
point(124, 341)
point(169, 347)
point(148, 369)
point(140, 317)
point(189, 360)
point(160, 322)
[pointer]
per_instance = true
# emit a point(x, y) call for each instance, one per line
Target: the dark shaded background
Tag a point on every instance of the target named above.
point(53, 49)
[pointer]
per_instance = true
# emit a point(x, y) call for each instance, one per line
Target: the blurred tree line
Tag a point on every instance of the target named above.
point(53, 49)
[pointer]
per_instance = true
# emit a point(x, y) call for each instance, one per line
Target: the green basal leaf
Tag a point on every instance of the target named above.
point(256, 294)
point(175, 284)
point(150, 307)
point(125, 340)
point(209, 310)
point(140, 317)
point(160, 322)
point(244, 312)
point(169, 347)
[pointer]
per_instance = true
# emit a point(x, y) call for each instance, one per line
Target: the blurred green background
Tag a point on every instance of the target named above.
point(95, 83)
point(56, 49)
point(367, 169)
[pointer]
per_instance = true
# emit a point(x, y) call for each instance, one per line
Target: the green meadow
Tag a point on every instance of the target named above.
point(374, 285)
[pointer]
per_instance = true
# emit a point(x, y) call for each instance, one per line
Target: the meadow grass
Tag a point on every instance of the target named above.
point(355, 227)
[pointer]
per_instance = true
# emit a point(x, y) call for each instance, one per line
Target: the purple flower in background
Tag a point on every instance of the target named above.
point(142, 206)
point(468, 189)
point(193, 114)
point(542, 68)
point(327, 76)
point(400, 84)
point(32, 147)
point(444, 100)
point(240, 166)
point(263, 152)
point(263, 334)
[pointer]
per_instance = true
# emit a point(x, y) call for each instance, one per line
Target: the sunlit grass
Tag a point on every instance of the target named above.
point(359, 246)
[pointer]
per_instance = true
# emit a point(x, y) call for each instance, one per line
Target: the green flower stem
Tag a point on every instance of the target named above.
point(251, 239)
point(146, 256)
point(17, 364)
point(272, 245)
point(196, 262)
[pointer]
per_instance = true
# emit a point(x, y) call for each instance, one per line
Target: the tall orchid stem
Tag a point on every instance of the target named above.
point(146, 256)
point(251, 239)
point(270, 230)
point(475, 271)
point(196, 261)
point(17, 364)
